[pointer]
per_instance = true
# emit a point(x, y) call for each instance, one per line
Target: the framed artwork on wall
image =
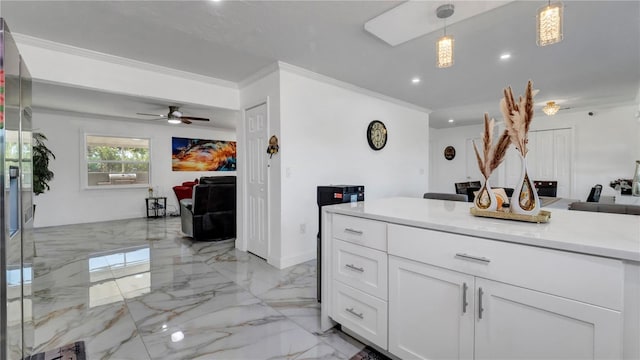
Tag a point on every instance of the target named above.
point(202, 155)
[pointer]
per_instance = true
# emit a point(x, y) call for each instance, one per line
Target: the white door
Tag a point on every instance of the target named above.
point(512, 165)
point(473, 172)
point(257, 180)
point(543, 156)
point(518, 323)
point(549, 158)
point(430, 311)
point(562, 145)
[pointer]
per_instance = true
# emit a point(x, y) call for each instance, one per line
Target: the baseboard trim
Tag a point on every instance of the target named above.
point(282, 263)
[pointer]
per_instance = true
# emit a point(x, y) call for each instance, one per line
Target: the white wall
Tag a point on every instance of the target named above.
point(606, 146)
point(323, 142)
point(444, 173)
point(68, 203)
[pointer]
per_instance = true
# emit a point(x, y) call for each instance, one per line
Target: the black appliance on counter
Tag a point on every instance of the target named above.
point(330, 195)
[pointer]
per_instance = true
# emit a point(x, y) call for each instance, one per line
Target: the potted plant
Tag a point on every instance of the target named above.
point(41, 157)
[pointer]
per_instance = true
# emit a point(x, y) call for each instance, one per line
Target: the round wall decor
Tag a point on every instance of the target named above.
point(377, 135)
point(449, 152)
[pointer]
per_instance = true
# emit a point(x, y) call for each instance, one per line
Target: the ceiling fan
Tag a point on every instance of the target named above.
point(175, 116)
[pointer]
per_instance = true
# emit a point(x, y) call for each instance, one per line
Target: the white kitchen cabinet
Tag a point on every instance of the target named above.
point(359, 271)
point(534, 291)
point(526, 302)
point(518, 323)
point(430, 311)
point(361, 268)
point(361, 313)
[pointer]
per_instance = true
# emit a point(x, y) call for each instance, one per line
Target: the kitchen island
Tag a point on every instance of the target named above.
point(425, 279)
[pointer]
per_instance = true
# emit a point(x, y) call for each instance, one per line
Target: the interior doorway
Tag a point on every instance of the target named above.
point(257, 193)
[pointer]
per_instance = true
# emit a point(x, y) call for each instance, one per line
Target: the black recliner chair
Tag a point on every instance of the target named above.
point(211, 213)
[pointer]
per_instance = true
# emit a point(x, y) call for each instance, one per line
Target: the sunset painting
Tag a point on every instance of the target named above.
point(202, 155)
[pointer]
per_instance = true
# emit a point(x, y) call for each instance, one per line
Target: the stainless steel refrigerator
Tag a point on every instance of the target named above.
point(16, 210)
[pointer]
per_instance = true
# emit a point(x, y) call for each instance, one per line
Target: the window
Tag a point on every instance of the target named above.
point(117, 161)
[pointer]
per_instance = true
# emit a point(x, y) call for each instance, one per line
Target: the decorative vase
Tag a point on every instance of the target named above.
point(486, 199)
point(525, 199)
point(635, 185)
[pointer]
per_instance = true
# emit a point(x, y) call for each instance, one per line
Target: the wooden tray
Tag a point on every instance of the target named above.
point(542, 217)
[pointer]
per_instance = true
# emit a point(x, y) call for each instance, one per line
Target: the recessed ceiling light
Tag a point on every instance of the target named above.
point(450, 120)
point(505, 56)
point(177, 336)
point(415, 80)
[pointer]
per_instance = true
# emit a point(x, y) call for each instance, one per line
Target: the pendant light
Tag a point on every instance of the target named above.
point(444, 46)
point(549, 24)
point(551, 108)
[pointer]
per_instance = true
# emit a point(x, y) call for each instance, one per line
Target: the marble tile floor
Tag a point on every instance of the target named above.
point(137, 289)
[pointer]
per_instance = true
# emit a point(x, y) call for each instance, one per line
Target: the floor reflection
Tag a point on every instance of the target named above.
point(118, 272)
point(129, 295)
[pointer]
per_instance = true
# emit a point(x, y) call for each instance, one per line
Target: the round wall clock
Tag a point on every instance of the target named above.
point(449, 152)
point(377, 135)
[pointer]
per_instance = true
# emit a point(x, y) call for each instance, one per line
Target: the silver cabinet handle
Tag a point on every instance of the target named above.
point(464, 298)
point(351, 311)
point(355, 268)
point(472, 258)
point(480, 309)
point(353, 231)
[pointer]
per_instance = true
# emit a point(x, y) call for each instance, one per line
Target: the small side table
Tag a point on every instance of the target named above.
point(156, 207)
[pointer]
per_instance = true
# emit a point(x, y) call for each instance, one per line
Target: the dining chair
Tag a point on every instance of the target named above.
point(594, 194)
point(461, 187)
point(445, 196)
point(546, 187)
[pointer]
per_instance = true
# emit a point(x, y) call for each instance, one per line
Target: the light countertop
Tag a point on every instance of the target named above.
point(602, 234)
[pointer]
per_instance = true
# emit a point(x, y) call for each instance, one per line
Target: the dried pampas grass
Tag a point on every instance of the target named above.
point(492, 154)
point(518, 116)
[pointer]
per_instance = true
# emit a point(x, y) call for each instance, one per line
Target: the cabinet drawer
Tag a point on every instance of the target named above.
point(361, 313)
point(586, 278)
point(359, 231)
point(363, 268)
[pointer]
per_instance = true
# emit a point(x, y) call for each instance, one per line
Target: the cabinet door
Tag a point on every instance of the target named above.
point(427, 318)
point(517, 323)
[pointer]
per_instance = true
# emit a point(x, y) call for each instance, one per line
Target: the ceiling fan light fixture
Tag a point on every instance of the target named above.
point(444, 46)
point(551, 108)
point(174, 121)
point(549, 24)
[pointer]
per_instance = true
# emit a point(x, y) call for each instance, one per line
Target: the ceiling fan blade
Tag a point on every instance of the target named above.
point(194, 118)
point(157, 115)
point(185, 121)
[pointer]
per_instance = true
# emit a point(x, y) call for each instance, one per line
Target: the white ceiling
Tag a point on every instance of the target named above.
point(597, 63)
point(124, 107)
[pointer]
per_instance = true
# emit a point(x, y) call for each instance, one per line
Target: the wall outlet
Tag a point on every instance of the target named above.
point(303, 228)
